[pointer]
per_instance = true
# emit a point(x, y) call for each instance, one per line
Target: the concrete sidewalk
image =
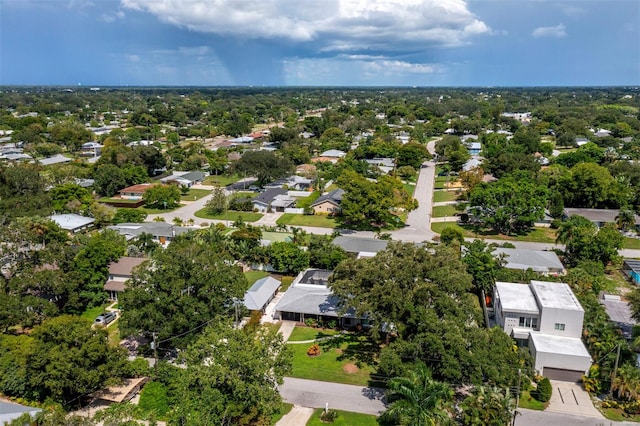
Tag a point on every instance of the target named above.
point(286, 329)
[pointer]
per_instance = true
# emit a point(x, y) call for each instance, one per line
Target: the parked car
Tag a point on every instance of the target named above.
point(106, 318)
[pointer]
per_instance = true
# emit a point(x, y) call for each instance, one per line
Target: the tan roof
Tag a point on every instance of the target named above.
point(121, 393)
point(140, 188)
point(125, 265)
point(114, 286)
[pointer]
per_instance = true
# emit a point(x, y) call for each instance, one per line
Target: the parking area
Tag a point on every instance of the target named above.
point(571, 398)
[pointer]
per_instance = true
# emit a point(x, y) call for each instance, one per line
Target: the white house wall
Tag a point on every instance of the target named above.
point(572, 320)
point(560, 361)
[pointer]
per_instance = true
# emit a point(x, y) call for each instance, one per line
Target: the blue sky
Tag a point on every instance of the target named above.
point(320, 42)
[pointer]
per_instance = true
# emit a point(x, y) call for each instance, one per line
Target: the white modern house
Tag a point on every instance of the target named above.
point(546, 317)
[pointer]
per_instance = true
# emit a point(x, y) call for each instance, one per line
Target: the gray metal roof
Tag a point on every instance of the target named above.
point(359, 245)
point(260, 292)
point(71, 222)
point(157, 229)
point(56, 159)
point(311, 300)
point(537, 260)
point(10, 411)
point(633, 264)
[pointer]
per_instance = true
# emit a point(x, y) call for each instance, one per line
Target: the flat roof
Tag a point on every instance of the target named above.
point(561, 345)
point(516, 297)
point(555, 296)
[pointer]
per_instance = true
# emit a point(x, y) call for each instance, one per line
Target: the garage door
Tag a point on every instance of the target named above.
point(562, 375)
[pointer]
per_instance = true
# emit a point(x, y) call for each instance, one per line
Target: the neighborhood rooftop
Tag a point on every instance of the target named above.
point(537, 260)
point(517, 297)
point(555, 295)
point(260, 292)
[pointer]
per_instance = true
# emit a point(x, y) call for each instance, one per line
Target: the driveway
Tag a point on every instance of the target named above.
point(539, 418)
point(313, 393)
point(296, 417)
point(571, 398)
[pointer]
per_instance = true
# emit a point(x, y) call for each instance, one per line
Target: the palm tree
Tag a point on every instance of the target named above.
point(625, 219)
point(417, 400)
point(627, 382)
point(488, 406)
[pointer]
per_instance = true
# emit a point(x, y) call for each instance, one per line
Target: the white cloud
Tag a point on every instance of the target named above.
point(556, 32)
point(336, 25)
point(108, 17)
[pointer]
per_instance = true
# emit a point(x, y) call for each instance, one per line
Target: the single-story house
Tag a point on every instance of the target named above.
point(631, 268)
point(293, 182)
point(361, 247)
point(261, 293)
point(10, 411)
point(581, 141)
point(16, 157)
point(541, 261)
point(56, 159)
point(275, 199)
point(472, 163)
point(185, 178)
point(162, 232)
point(474, 148)
point(328, 203)
point(309, 296)
point(384, 164)
point(598, 217)
point(333, 153)
point(547, 318)
point(91, 149)
point(72, 222)
point(241, 139)
point(119, 273)
point(134, 192)
point(618, 312)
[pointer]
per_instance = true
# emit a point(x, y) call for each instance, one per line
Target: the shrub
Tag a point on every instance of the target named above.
point(332, 324)
point(314, 350)
point(153, 399)
point(328, 416)
point(543, 393)
point(310, 322)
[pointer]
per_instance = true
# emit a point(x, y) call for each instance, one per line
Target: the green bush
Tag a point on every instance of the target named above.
point(543, 393)
point(153, 399)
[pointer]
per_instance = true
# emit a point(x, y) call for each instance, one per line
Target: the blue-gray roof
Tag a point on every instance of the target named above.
point(260, 293)
point(360, 245)
point(10, 411)
point(334, 197)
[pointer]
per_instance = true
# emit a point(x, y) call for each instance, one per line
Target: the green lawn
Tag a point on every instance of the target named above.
point(253, 276)
point(195, 194)
point(304, 202)
point(338, 356)
point(537, 235)
point(617, 415)
point(157, 211)
point(441, 196)
point(410, 188)
point(286, 282)
point(116, 200)
point(309, 333)
point(319, 221)
point(114, 333)
point(221, 180)
point(284, 409)
point(443, 211)
point(527, 401)
point(631, 243)
point(345, 418)
point(231, 216)
point(92, 313)
point(439, 182)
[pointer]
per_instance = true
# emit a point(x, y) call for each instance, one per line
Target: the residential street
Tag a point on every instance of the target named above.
point(311, 393)
point(539, 418)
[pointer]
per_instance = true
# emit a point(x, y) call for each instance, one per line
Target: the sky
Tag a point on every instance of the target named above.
point(320, 42)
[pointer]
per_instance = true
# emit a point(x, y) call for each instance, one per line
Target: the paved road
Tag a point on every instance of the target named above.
point(311, 393)
point(538, 418)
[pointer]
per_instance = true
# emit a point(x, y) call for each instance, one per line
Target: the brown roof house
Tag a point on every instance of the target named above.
point(134, 192)
point(119, 273)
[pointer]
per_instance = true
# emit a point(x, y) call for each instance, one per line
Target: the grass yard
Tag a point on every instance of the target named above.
point(114, 333)
point(231, 216)
point(304, 202)
point(286, 282)
point(158, 211)
point(221, 180)
point(444, 211)
point(92, 313)
point(195, 194)
point(348, 359)
point(527, 401)
point(631, 243)
point(253, 276)
point(617, 415)
point(345, 418)
point(441, 196)
point(285, 407)
point(537, 235)
point(116, 200)
point(309, 333)
point(410, 188)
point(319, 221)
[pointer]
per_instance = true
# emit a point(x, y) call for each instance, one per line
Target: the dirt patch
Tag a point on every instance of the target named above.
point(339, 351)
point(350, 368)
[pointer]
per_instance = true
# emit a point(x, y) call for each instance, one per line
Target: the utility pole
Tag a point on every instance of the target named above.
point(154, 346)
point(615, 370)
point(515, 410)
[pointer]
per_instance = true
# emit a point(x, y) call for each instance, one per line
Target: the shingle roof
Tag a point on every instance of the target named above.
point(125, 265)
point(260, 292)
point(359, 245)
point(537, 260)
point(598, 215)
point(334, 197)
point(269, 195)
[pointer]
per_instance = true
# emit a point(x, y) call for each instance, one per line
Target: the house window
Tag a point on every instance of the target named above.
point(559, 326)
point(528, 322)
